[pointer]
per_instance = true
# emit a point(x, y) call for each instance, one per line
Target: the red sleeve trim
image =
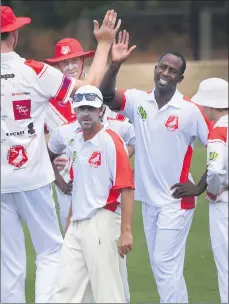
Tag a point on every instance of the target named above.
point(124, 174)
point(212, 196)
point(63, 89)
point(209, 123)
point(35, 65)
point(218, 133)
point(123, 104)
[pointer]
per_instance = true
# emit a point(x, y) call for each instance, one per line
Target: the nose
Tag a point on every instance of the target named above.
point(166, 72)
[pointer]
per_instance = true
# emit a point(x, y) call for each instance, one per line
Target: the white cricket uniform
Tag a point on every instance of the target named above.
point(217, 180)
point(163, 152)
point(27, 174)
point(101, 168)
point(62, 139)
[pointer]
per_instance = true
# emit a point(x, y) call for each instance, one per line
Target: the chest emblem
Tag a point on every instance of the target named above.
point(142, 113)
point(95, 160)
point(172, 123)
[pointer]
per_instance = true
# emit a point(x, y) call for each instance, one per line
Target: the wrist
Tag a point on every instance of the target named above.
point(126, 229)
point(116, 64)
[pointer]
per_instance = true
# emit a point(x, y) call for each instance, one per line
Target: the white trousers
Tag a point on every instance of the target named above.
point(166, 230)
point(90, 262)
point(37, 209)
point(218, 221)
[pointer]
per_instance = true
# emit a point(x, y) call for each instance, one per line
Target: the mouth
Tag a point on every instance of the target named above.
point(163, 82)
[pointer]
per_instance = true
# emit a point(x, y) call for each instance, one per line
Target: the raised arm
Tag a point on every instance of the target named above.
point(105, 36)
point(120, 53)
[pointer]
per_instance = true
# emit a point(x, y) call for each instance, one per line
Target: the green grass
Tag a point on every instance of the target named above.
point(200, 271)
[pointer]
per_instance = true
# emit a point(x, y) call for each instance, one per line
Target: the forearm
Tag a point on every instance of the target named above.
point(131, 151)
point(59, 181)
point(127, 209)
point(202, 185)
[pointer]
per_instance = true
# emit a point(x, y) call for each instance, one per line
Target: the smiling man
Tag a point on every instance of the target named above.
point(166, 126)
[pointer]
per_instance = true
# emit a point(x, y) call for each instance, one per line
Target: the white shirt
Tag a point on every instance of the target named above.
point(217, 161)
point(26, 87)
point(101, 168)
point(63, 137)
point(164, 144)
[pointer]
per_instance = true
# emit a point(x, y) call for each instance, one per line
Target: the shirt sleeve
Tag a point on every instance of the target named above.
point(202, 125)
point(52, 82)
point(56, 142)
point(216, 161)
point(118, 162)
point(130, 102)
point(128, 134)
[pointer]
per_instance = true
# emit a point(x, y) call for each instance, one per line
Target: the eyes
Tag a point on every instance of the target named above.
point(164, 67)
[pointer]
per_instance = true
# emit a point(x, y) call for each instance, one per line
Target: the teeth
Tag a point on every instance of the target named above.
point(163, 81)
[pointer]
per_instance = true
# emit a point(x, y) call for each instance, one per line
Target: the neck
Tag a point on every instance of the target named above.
point(89, 134)
point(218, 115)
point(5, 48)
point(163, 97)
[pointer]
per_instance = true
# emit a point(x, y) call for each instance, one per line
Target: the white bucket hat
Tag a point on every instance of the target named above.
point(87, 95)
point(213, 93)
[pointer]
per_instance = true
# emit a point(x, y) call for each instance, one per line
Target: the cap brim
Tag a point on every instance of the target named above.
point(95, 104)
point(19, 22)
point(198, 100)
point(70, 56)
point(211, 103)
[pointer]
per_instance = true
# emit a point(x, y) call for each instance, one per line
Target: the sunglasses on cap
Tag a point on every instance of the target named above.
point(88, 96)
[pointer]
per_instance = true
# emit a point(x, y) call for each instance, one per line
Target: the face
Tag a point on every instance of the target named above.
point(167, 72)
point(88, 116)
point(71, 67)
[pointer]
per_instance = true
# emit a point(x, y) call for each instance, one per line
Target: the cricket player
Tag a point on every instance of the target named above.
point(27, 174)
point(166, 127)
point(69, 58)
point(97, 234)
point(213, 97)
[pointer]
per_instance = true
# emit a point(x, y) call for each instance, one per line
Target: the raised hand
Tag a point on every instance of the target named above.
point(108, 30)
point(120, 51)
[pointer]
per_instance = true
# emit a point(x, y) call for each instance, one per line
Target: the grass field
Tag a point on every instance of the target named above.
point(200, 271)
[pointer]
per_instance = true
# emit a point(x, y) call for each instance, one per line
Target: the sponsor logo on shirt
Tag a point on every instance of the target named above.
point(213, 156)
point(172, 123)
point(142, 113)
point(16, 133)
point(95, 160)
point(74, 156)
point(20, 93)
point(5, 66)
point(71, 141)
point(22, 109)
point(17, 156)
point(7, 76)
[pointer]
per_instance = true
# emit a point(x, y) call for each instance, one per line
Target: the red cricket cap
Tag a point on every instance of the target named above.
point(9, 22)
point(68, 48)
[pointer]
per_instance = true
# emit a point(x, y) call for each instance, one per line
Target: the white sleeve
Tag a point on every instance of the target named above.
point(202, 125)
point(216, 166)
point(52, 82)
point(130, 103)
point(56, 142)
point(128, 134)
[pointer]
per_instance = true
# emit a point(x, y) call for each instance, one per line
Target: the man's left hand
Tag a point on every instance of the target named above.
point(185, 189)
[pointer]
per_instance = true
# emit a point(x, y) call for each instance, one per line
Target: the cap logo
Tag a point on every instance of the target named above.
point(65, 50)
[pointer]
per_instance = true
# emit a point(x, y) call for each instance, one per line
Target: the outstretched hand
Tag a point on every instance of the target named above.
point(120, 50)
point(108, 30)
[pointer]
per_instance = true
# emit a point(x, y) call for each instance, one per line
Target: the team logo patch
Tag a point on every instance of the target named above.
point(71, 141)
point(22, 109)
point(142, 113)
point(95, 160)
point(172, 123)
point(213, 156)
point(74, 156)
point(65, 49)
point(17, 156)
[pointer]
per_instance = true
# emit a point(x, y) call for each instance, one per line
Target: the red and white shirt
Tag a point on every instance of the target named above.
point(26, 87)
point(217, 161)
point(164, 144)
point(101, 169)
point(63, 137)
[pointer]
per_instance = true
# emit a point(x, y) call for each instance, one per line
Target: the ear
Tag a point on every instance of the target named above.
point(181, 78)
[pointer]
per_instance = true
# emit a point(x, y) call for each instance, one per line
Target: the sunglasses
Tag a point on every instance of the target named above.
point(88, 96)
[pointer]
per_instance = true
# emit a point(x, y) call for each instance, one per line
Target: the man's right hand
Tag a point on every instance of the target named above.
point(120, 51)
point(107, 31)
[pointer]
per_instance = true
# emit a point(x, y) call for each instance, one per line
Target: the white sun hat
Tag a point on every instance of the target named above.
point(213, 93)
point(87, 95)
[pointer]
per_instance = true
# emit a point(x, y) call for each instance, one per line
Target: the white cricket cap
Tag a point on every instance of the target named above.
point(97, 103)
point(213, 93)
